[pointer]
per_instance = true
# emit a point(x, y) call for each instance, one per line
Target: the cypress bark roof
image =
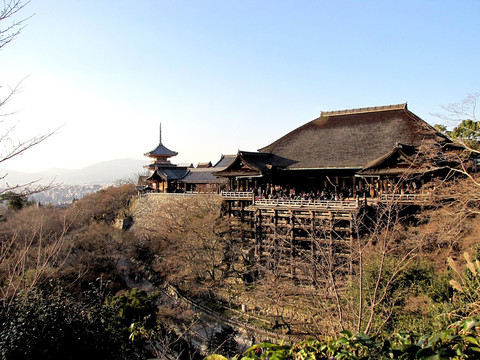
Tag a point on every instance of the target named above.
point(225, 161)
point(202, 176)
point(429, 157)
point(351, 138)
point(253, 164)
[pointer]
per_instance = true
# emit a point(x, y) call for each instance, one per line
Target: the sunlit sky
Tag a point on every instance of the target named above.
point(224, 75)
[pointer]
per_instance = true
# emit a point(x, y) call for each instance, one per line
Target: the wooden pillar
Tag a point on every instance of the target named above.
point(312, 246)
point(350, 270)
point(292, 252)
point(258, 232)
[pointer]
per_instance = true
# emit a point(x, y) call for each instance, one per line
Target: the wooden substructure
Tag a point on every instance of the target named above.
point(303, 240)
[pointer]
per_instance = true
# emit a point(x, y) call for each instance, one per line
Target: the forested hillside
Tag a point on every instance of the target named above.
point(95, 274)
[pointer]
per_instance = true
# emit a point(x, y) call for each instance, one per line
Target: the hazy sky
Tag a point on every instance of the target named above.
point(224, 75)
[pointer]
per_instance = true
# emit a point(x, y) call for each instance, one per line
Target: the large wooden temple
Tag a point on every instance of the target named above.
point(349, 152)
point(302, 194)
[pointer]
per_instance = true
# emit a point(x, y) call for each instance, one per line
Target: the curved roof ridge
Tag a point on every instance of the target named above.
point(161, 150)
point(402, 106)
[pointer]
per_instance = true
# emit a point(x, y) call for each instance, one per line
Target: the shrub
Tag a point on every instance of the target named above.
point(52, 324)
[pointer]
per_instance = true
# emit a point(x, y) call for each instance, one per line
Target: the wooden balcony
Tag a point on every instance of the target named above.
point(405, 198)
point(259, 203)
point(238, 195)
point(307, 204)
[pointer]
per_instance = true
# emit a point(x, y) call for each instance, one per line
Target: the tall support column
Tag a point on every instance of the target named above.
point(350, 269)
point(258, 232)
point(313, 237)
point(292, 241)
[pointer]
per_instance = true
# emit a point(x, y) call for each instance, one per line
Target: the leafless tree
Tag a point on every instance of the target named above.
point(12, 22)
point(30, 246)
point(456, 112)
point(25, 256)
point(10, 27)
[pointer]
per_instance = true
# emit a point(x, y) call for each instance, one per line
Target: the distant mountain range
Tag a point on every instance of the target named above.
point(106, 172)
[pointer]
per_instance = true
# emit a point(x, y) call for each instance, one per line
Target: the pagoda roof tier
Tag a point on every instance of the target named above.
point(161, 151)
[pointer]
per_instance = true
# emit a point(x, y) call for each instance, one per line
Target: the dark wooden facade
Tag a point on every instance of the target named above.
point(302, 195)
point(352, 153)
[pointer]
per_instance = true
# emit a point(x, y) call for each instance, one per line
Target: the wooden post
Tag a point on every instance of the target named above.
point(312, 245)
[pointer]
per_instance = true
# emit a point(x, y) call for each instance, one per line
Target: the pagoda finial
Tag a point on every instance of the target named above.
point(160, 133)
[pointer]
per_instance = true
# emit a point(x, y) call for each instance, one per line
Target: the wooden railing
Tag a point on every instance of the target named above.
point(413, 198)
point(238, 195)
point(176, 195)
point(324, 204)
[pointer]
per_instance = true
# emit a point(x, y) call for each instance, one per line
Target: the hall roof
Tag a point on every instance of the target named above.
point(350, 139)
point(409, 160)
point(202, 176)
point(248, 163)
point(225, 161)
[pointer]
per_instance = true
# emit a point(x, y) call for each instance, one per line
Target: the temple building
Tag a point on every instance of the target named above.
point(300, 197)
point(353, 152)
point(203, 178)
point(166, 177)
point(303, 193)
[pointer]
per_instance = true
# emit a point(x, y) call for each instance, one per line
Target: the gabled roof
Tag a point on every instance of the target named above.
point(225, 160)
point(248, 163)
point(401, 152)
point(349, 139)
point(202, 176)
point(398, 161)
point(409, 160)
point(204, 165)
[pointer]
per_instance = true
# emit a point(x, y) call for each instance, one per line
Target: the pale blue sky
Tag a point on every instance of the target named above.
point(225, 75)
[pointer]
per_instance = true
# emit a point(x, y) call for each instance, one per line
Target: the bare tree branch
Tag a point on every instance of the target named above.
point(8, 32)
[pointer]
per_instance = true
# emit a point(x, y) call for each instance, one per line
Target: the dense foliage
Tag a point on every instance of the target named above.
point(53, 324)
point(459, 341)
point(187, 244)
